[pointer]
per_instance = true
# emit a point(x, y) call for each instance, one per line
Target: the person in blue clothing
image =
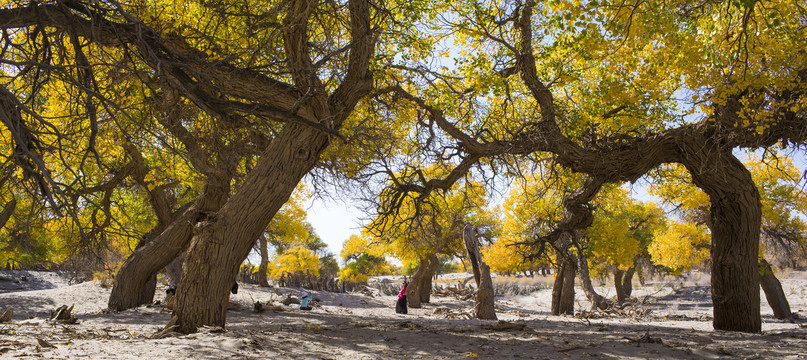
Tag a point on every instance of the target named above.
point(305, 300)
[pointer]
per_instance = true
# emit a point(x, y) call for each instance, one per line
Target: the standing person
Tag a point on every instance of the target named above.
point(400, 306)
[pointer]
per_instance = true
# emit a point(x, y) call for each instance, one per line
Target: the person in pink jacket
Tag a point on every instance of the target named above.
point(400, 306)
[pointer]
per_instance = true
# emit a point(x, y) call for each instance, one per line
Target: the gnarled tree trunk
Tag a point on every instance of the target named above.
point(773, 291)
point(563, 288)
point(735, 217)
point(484, 307)
point(420, 286)
point(597, 300)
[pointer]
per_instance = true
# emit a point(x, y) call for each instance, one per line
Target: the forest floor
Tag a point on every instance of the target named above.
point(668, 319)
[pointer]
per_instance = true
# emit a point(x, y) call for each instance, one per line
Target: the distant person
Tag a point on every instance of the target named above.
point(234, 290)
point(304, 302)
point(400, 306)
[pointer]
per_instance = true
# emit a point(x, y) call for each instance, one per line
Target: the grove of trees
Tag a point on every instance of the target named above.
point(140, 135)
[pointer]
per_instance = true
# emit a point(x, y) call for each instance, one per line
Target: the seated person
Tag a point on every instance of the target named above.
point(304, 301)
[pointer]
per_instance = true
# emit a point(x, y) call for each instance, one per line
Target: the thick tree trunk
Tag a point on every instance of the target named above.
point(173, 271)
point(136, 280)
point(484, 308)
point(773, 291)
point(420, 286)
point(563, 289)
point(264, 266)
point(221, 241)
point(735, 217)
point(134, 285)
point(597, 300)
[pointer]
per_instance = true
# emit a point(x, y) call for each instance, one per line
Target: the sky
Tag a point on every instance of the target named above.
point(334, 221)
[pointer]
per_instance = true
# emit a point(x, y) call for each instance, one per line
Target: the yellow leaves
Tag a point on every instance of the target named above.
point(296, 259)
point(679, 246)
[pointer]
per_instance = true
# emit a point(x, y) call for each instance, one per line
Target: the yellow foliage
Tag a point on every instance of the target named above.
point(295, 259)
point(679, 246)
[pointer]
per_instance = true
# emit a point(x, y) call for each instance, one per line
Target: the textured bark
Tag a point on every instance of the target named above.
point(597, 300)
point(773, 291)
point(484, 308)
point(264, 266)
point(223, 240)
point(736, 218)
point(563, 289)
point(173, 271)
point(134, 284)
point(420, 286)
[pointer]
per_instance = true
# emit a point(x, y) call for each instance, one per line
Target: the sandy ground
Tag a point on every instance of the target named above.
point(673, 322)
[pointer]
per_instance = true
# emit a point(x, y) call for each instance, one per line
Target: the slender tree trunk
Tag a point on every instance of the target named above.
point(627, 282)
point(597, 300)
point(620, 291)
point(484, 308)
point(563, 288)
point(735, 217)
point(264, 266)
point(773, 291)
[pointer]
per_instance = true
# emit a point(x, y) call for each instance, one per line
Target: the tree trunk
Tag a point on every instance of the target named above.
point(627, 282)
point(484, 308)
point(136, 280)
point(773, 291)
point(735, 217)
point(420, 286)
point(620, 291)
point(622, 284)
point(173, 271)
point(597, 300)
point(8, 209)
point(134, 285)
point(264, 266)
point(563, 289)
point(221, 241)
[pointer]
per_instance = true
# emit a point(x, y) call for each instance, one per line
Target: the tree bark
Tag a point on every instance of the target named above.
point(223, 240)
point(134, 285)
point(420, 286)
point(264, 266)
point(622, 284)
point(8, 210)
point(736, 219)
point(563, 288)
point(484, 308)
point(773, 291)
point(597, 300)
point(627, 282)
point(620, 291)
